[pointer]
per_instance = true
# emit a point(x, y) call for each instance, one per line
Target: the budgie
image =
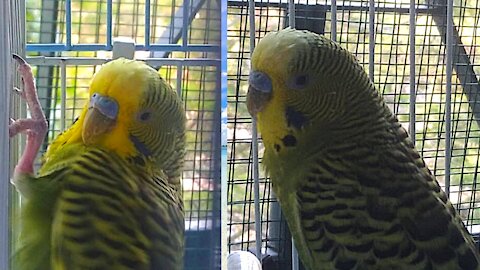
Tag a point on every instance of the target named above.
point(355, 192)
point(108, 194)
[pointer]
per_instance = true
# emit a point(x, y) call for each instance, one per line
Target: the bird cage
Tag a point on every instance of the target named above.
point(421, 55)
point(67, 41)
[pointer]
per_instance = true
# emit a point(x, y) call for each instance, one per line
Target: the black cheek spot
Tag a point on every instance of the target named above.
point(289, 140)
point(277, 147)
point(295, 118)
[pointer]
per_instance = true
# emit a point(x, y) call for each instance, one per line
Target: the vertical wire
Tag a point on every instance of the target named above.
point(295, 262)
point(255, 163)
point(291, 14)
point(371, 45)
point(186, 5)
point(333, 19)
point(68, 21)
point(5, 89)
point(448, 93)
point(147, 24)
point(63, 96)
point(413, 97)
point(179, 80)
point(291, 21)
point(224, 174)
point(109, 24)
point(17, 12)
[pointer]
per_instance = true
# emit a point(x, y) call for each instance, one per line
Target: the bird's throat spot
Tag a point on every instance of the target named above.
point(289, 140)
point(277, 147)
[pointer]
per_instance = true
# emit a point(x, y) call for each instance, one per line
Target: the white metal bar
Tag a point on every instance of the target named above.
point(89, 61)
point(63, 97)
point(224, 174)
point(56, 61)
point(18, 108)
point(255, 162)
point(413, 94)
point(371, 45)
point(5, 89)
point(291, 14)
point(345, 5)
point(448, 93)
point(295, 261)
point(333, 12)
point(291, 21)
point(291, 17)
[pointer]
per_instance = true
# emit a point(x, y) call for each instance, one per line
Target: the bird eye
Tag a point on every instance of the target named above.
point(145, 116)
point(299, 82)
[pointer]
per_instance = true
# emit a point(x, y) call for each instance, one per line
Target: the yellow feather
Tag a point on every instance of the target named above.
point(265, 58)
point(124, 81)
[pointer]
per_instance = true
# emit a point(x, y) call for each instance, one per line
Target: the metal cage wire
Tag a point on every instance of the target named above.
point(428, 74)
point(67, 41)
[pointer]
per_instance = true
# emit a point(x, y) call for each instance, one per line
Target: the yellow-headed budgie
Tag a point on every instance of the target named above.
point(354, 190)
point(108, 194)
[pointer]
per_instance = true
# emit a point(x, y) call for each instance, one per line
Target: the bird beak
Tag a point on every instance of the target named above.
point(99, 119)
point(259, 92)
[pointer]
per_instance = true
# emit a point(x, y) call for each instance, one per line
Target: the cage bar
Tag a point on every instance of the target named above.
point(291, 13)
point(371, 41)
point(41, 60)
point(291, 23)
point(413, 94)
point(448, 95)
point(255, 162)
point(63, 96)
point(179, 79)
point(138, 47)
point(109, 25)
point(147, 23)
point(68, 21)
point(186, 5)
point(5, 89)
point(223, 115)
point(334, 20)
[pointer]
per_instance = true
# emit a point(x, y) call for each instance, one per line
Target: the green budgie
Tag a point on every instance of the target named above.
point(354, 190)
point(108, 194)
